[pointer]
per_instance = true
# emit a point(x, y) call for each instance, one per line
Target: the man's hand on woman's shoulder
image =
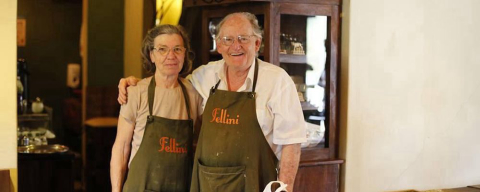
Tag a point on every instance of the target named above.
point(122, 88)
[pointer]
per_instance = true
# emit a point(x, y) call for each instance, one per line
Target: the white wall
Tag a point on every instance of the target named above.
point(8, 114)
point(410, 90)
point(8, 98)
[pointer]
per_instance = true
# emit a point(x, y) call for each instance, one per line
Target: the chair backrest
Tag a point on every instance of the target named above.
point(102, 102)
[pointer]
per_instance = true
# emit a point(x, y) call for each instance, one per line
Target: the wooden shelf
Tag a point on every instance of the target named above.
point(33, 117)
point(319, 152)
point(306, 106)
point(289, 58)
point(316, 163)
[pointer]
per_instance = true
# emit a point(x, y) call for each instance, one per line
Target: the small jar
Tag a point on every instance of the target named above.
point(37, 106)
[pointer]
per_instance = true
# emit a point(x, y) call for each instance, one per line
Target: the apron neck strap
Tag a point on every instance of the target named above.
point(151, 96)
point(255, 75)
point(185, 96)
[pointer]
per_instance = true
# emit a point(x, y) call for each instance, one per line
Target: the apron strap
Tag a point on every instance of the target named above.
point(255, 75)
point(214, 88)
point(216, 85)
point(185, 96)
point(151, 96)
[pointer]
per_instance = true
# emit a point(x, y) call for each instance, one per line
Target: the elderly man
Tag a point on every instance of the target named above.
point(252, 115)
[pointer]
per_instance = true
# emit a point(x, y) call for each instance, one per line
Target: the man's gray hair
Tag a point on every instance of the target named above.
point(257, 30)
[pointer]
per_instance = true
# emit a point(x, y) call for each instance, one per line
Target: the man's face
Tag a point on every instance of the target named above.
point(238, 55)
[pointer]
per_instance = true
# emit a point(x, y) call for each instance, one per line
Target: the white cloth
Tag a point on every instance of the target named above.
point(278, 107)
point(283, 186)
point(168, 103)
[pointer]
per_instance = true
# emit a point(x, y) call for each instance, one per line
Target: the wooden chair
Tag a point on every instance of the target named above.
point(99, 134)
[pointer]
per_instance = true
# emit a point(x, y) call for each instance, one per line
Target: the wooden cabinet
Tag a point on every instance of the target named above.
point(313, 25)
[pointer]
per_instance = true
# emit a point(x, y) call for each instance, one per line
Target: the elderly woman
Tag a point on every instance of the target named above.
point(155, 128)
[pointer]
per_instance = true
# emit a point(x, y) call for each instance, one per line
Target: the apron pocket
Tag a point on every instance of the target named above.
point(220, 179)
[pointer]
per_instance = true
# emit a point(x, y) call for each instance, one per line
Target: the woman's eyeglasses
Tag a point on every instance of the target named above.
point(164, 50)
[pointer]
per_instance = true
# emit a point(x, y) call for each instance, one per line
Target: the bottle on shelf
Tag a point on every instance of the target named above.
point(19, 96)
point(25, 140)
point(283, 43)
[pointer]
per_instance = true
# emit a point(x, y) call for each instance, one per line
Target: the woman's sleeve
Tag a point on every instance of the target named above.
point(129, 110)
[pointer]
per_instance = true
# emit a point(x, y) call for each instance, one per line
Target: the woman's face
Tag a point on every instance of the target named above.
point(168, 54)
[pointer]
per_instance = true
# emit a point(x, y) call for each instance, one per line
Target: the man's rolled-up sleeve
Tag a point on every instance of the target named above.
point(288, 124)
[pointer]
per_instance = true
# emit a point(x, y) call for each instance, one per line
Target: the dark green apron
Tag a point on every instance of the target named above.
point(232, 153)
point(164, 160)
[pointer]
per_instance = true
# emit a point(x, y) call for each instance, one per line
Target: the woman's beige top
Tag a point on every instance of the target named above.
point(168, 103)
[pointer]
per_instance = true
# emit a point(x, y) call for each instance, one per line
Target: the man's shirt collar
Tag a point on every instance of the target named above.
point(247, 86)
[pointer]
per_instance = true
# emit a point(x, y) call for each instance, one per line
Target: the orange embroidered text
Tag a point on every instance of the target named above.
point(221, 116)
point(170, 145)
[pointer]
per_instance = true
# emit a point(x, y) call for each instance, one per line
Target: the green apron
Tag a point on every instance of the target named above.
point(164, 160)
point(232, 153)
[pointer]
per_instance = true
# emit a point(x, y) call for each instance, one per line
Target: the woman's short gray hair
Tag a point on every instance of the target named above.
point(257, 30)
point(148, 46)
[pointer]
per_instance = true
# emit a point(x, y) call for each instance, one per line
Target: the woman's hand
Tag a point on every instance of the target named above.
point(122, 88)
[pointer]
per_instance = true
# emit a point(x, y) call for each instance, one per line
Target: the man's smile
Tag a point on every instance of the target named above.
point(236, 54)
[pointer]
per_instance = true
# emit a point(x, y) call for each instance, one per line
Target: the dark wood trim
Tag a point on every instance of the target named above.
point(267, 27)
point(315, 153)
point(276, 34)
point(205, 51)
point(305, 9)
point(192, 3)
point(149, 14)
point(316, 163)
point(333, 80)
point(319, 2)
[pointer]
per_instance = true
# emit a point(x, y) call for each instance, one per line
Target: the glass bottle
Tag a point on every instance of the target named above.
point(19, 96)
point(25, 140)
point(282, 43)
point(288, 43)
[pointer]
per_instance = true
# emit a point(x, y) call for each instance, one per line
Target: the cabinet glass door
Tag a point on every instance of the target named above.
point(303, 54)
